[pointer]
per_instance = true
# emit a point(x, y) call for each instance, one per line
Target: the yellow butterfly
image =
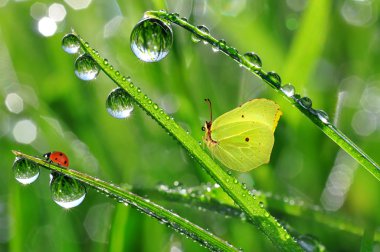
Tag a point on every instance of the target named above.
point(242, 139)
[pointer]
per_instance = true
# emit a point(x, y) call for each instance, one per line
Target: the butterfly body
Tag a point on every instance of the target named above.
point(242, 139)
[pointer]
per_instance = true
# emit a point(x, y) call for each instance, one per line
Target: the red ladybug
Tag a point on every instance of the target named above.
point(57, 157)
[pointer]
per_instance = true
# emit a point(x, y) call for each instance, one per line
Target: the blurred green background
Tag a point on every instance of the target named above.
point(329, 50)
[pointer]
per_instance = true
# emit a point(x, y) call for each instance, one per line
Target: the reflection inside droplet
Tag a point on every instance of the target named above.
point(25, 171)
point(151, 40)
point(86, 68)
point(65, 191)
point(119, 103)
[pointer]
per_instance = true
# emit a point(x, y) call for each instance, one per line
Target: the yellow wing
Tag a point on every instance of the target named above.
point(242, 146)
point(258, 110)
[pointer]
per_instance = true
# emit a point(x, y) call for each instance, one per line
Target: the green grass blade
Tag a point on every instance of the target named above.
point(330, 130)
point(260, 217)
point(171, 219)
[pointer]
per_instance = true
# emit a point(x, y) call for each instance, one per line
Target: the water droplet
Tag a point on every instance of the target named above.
point(288, 90)
point(233, 52)
point(323, 116)
point(151, 40)
point(119, 103)
point(222, 44)
point(275, 79)
point(310, 243)
point(25, 171)
point(235, 181)
point(305, 102)
point(117, 73)
point(67, 192)
point(261, 204)
point(254, 59)
point(215, 48)
point(86, 68)
point(70, 43)
point(195, 38)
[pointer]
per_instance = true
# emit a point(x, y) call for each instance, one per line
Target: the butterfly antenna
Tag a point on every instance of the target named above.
point(207, 100)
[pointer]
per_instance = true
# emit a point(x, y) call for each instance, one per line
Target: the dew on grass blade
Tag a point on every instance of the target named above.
point(151, 40)
point(323, 116)
point(65, 191)
point(86, 68)
point(288, 90)
point(25, 171)
point(305, 102)
point(195, 38)
point(275, 78)
point(254, 59)
point(70, 43)
point(119, 103)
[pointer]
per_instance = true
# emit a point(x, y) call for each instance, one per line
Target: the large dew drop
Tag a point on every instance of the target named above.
point(119, 103)
point(70, 43)
point(25, 171)
point(86, 68)
point(151, 40)
point(66, 192)
point(254, 59)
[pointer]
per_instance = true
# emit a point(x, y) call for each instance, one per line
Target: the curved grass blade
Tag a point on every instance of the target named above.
point(154, 210)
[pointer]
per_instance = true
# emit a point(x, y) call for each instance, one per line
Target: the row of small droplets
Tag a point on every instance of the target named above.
point(249, 60)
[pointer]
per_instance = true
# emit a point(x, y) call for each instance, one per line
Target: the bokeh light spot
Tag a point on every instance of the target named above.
point(25, 131)
point(47, 26)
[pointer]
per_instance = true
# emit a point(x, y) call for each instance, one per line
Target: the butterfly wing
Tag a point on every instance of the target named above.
point(242, 146)
point(258, 110)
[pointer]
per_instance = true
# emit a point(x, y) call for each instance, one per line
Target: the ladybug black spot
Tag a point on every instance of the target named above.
point(65, 162)
point(55, 158)
point(242, 116)
point(60, 154)
point(247, 139)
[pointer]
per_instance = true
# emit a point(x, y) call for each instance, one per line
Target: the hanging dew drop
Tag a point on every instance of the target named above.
point(86, 68)
point(119, 103)
point(254, 59)
point(70, 43)
point(25, 171)
point(288, 90)
point(151, 40)
point(67, 192)
point(323, 116)
point(215, 48)
point(274, 78)
point(305, 102)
